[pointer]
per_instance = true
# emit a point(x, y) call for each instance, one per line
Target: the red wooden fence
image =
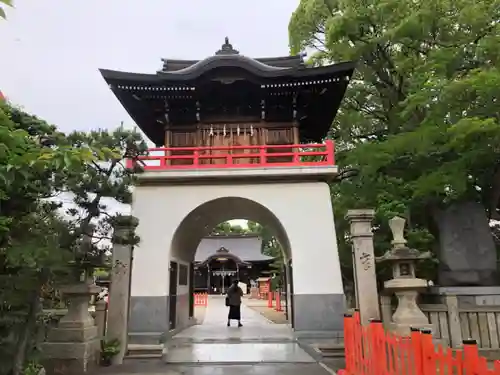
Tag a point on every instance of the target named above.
point(370, 350)
point(200, 299)
point(303, 155)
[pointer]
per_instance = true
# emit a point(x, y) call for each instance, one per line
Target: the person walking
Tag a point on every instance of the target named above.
point(233, 301)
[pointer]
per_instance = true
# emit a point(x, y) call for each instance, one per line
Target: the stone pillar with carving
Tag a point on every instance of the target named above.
point(364, 264)
point(404, 284)
point(119, 294)
point(73, 346)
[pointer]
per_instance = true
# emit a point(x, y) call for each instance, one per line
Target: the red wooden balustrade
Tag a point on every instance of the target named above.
point(200, 299)
point(369, 350)
point(300, 155)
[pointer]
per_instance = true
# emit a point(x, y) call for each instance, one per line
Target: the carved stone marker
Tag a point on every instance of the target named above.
point(467, 252)
point(365, 278)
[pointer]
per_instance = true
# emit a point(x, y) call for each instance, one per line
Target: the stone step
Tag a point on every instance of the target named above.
point(146, 338)
point(139, 351)
point(331, 351)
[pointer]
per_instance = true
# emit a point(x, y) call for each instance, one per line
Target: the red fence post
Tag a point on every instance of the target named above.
point(416, 350)
point(196, 157)
point(357, 344)
point(348, 344)
point(278, 301)
point(270, 299)
point(428, 357)
point(330, 149)
point(377, 347)
point(471, 357)
point(262, 155)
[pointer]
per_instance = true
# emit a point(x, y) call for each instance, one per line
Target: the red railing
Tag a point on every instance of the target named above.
point(200, 299)
point(299, 155)
point(369, 350)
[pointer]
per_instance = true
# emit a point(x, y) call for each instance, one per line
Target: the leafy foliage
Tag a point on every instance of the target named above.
point(37, 244)
point(419, 125)
point(102, 182)
point(4, 3)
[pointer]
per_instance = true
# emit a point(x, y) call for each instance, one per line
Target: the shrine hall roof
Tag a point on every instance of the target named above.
point(246, 247)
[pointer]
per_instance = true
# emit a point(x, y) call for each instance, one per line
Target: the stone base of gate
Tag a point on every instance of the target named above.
point(318, 313)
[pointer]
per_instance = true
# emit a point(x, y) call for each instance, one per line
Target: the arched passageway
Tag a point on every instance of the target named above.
point(174, 219)
point(198, 224)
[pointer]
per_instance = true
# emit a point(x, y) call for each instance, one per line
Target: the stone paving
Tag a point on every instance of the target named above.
point(255, 326)
point(259, 347)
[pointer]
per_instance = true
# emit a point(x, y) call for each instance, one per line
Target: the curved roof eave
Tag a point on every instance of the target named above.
point(226, 255)
point(294, 61)
point(250, 65)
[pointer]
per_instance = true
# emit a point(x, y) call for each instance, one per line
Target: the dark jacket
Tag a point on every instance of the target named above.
point(234, 294)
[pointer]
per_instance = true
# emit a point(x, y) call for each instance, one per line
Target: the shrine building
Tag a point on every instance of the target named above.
point(223, 258)
point(236, 138)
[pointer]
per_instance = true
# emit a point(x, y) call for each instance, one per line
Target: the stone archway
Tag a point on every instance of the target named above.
point(174, 218)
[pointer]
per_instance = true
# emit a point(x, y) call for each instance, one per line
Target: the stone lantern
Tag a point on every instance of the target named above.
point(404, 284)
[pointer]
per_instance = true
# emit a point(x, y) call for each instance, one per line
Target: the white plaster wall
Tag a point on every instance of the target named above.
point(304, 210)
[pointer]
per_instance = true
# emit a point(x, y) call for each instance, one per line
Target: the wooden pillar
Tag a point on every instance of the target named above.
point(364, 264)
point(295, 130)
point(168, 142)
point(209, 285)
point(454, 320)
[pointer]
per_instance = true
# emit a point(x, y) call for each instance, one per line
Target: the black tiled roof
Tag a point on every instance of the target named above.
point(246, 248)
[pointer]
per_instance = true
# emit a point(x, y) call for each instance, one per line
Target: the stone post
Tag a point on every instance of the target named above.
point(119, 293)
point(73, 346)
point(364, 264)
point(100, 318)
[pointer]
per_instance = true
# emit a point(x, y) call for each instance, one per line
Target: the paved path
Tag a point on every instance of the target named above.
point(260, 347)
point(258, 341)
point(255, 326)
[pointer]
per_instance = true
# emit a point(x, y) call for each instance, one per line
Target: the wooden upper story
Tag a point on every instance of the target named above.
point(231, 100)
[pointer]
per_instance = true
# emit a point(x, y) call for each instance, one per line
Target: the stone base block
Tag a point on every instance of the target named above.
point(404, 330)
point(318, 312)
point(73, 366)
point(67, 335)
point(70, 358)
point(149, 314)
point(68, 350)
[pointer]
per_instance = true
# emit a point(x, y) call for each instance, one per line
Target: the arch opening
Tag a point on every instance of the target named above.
point(217, 266)
point(201, 221)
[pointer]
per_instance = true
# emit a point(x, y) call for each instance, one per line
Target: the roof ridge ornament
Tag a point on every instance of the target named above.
point(227, 48)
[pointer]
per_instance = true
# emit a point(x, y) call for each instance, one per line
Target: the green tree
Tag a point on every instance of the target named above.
point(226, 228)
point(270, 247)
point(419, 124)
point(3, 4)
point(36, 244)
point(30, 230)
point(101, 182)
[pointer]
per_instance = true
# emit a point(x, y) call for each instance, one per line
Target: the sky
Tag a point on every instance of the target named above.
point(51, 50)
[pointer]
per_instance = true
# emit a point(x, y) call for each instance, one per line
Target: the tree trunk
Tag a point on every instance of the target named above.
point(467, 251)
point(28, 329)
